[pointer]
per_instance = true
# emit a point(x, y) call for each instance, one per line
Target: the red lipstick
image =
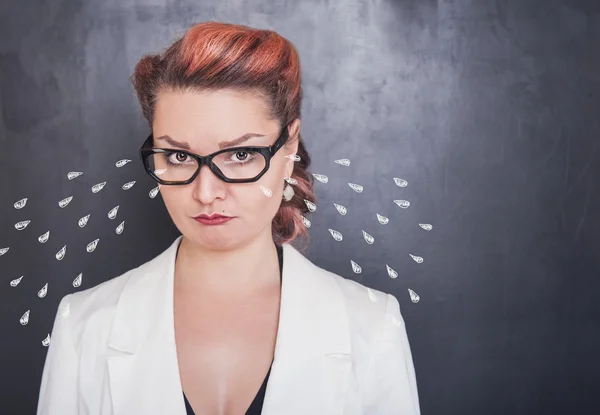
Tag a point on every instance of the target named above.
point(213, 219)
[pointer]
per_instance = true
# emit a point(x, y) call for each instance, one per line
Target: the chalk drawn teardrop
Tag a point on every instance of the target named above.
point(266, 191)
point(291, 180)
point(120, 228)
point(402, 203)
point(4, 250)
point(73, 174)
point(154, 192)
point(83, 221)
point(24, 318)
point(343, 162)
point(16, 281)
point(46, 341)
point(97, 187)
point(336, 235)
point(310, 205)
point(113, 212)
point(294, 157)
point(382, 219)
point(391, 272)
point(44, 238)
point(372, 295)
point(400, 182)
point(121, 163)
point(355, 267)
point(305, 221)
point(77, 280)
point(321, 177)
point(417, 259)
point(356, 187)
point(426, 226)
point(92, 245)
point(368, 238)
point(63, 203)
point(22, 225)
point(20, 204)
point(42, 293)
point(341, 209)
point(61, 254)
point(414, 297)
point(128, 185)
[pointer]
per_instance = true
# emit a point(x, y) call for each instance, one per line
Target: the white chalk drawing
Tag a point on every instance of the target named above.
point(321, 177)
point(341, 209)
point(123, 162)
point(267, 192)
point(414, 297)
point(154, 192)
point(44, 238)
point(402, 203)
point(355, 267)
point(400, 182)
point(61, 254)
point(291, 180)
point(77, 280)
point(310, 205)
point(22, 225)
point(74, 174)
point(336, 235)
point(305, 221)
point(119, 229)
point(97, 187)
point(158, 172)
point(356, 187)
point(372, 295)
point(83, 221)
point(63, 203)
point(426, 226)
point(42, 293)
point(25, 318)
point(128, 185)
point(382, 219)
point(4, 250)
point(113, 212)
point(65, 312)
point(417, 259)
point(46, 341)
point(343, 162)
point(368, 238)
point(20, 204)
point(91, 247)
point(16, 281)
point(391, 272)
point(294, 157)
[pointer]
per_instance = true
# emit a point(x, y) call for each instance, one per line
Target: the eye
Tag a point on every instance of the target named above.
point(179, 158)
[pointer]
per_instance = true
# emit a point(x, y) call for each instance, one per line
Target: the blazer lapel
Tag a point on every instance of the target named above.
point(312, 362)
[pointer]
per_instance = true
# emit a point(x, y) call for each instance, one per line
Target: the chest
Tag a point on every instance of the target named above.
point(224, 350)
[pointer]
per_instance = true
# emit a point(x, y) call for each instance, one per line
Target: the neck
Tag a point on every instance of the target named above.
point(240, 271)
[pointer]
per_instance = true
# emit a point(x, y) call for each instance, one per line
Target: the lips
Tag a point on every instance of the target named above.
point(211, 217)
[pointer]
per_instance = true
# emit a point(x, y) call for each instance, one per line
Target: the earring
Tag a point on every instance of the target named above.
point(288, 192)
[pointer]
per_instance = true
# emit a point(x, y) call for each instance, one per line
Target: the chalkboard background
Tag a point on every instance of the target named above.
point(488, 110)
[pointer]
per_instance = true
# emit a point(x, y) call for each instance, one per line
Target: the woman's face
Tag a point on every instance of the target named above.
point(202, 120)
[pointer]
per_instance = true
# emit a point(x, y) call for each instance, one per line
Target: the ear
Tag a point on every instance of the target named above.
point(291, 146)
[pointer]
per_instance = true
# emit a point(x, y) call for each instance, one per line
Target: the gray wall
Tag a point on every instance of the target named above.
point(488, 109)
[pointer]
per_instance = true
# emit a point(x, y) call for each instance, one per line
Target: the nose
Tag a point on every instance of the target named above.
point(207, 186)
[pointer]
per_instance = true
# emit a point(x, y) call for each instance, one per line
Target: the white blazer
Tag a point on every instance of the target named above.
point(341, 347)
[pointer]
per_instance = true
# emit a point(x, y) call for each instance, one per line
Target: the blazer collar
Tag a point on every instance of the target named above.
point(313, 328)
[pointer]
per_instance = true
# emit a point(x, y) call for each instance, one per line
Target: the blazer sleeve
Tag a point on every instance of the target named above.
point(392, 382)
point(58, 390)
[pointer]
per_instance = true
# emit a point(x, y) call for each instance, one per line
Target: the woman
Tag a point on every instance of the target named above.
point(231, 318)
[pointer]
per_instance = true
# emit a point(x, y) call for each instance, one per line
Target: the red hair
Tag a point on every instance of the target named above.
point(214, 55)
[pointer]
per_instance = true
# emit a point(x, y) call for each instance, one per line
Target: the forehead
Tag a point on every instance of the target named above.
point(211, 116)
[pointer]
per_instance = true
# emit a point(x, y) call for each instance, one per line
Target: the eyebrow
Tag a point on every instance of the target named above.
point(222, 144)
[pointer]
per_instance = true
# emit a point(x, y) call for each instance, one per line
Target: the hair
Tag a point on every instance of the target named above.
point(215, 55)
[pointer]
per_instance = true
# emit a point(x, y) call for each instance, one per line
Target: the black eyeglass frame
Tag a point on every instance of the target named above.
point(146, 150)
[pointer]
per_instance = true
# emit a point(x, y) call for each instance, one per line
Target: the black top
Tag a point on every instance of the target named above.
point(255, 407)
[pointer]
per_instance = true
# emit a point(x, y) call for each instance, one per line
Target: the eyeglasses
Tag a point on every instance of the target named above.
point(232, 165)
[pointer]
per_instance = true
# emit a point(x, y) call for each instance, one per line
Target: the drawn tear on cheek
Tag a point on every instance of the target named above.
point(266, 191)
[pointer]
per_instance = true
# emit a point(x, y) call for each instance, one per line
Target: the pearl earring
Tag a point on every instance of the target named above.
point(288, 192)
